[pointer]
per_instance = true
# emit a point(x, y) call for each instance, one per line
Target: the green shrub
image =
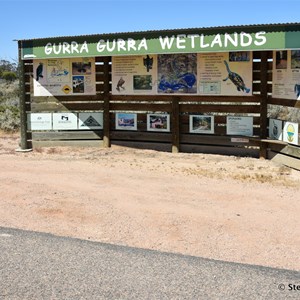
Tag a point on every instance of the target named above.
point(9, 118)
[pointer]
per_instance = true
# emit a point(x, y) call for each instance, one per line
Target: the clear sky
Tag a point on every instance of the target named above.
point(26, 19)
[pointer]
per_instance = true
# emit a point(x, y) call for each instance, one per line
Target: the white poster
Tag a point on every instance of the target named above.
point(290, 133)
point(226, 74)
point(286, 74)
point(64, 121)
point(239, 125)
point(39, 121)
point(59, 77)
point(134, 75)
point(275, 129)
point(90, 120)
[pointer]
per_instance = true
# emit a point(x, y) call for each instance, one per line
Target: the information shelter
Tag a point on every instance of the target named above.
point(209, 90)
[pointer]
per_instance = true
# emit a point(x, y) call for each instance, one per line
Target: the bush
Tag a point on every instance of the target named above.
point(9, 76)
point(9, 118)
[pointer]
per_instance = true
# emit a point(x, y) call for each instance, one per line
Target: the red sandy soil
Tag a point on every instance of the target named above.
point(221, 207)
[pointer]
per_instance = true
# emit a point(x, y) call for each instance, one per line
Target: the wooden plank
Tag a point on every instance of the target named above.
point(145, 145)
point(175, 125)
point(284, 102)
point(284, 160)
point(37, 144)
point(63, 99)
point(220, 108)
point(67, 135)
point(62, 107)
point(140, 107)
point(236, 151)
point(286, 149)
point(28, 68)
point(141, 136)
point(215, 140)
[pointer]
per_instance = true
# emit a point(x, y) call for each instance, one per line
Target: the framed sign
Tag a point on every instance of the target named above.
point(158, 122)
point(239, 125)
point(275, 129)
point(202, 124)
point(90, 120)
point(39, 121)
point(126, 121)
point(65, 121)
point(290, 133)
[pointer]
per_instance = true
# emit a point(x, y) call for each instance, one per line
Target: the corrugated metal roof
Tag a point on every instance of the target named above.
point(271, 27)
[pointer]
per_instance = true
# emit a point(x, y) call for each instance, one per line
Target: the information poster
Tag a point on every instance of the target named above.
point(177, 73)
point(39, 121)
point(134, 75)
point(224, 74)
point(59, 77)
point(239, 125)
point(227, 74)
point(286, 74)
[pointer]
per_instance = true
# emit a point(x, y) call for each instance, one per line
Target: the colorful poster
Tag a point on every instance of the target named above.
point(39, 121)
point(59, 77)
point(134, 75)
point(177, 73)
point(226, 74)
point(290, 133)
point(126, 121)
point(158, 122)
point(90, 120)
point(239, 125)
point(286, 74)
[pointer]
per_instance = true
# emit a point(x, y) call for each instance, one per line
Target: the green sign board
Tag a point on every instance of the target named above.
point(114, 45)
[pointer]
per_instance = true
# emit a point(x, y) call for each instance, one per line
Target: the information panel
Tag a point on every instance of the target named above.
point(59, 77)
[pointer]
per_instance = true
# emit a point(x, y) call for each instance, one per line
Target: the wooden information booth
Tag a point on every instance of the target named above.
point(225, 90)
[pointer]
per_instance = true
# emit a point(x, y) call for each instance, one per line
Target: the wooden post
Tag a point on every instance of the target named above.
point(23, 115)
point(263, 103)
point(175, 125)
point(106, 118)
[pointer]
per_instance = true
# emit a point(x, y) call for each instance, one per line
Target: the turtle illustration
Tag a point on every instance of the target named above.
point(236, 79)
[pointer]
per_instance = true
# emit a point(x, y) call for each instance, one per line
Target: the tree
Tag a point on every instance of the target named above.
point(7, 66)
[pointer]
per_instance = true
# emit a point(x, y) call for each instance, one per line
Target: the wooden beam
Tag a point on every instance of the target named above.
point(175, 125)
point(264, 102)
point(106, 108)
point(23, 115)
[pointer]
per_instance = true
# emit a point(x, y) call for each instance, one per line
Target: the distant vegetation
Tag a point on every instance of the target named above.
point(9, 96)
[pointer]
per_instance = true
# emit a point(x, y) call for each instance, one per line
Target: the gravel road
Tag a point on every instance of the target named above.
point(43, 266)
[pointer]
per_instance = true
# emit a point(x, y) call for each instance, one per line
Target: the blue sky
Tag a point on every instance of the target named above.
point(43, 18)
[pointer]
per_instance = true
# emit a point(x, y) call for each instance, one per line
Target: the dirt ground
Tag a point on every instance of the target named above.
point(221, 207)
